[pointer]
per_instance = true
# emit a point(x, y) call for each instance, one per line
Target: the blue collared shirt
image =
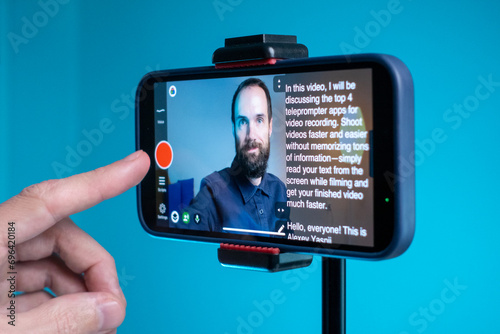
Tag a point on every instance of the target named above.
point(228, 199)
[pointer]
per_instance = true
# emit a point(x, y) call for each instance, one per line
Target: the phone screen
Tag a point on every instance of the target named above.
point(316, 185)
point(293, 156)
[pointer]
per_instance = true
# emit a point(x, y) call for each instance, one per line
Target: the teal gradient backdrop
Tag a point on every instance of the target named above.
point(75, 69)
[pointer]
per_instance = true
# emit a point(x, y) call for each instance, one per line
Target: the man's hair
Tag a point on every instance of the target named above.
point(249, 83)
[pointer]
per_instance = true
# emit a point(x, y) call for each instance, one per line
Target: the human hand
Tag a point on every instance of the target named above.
point(51, 251)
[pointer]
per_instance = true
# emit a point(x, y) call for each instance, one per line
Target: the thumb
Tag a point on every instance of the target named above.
point(79, 313)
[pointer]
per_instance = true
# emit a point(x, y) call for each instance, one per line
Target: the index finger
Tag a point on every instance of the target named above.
point(39, 207)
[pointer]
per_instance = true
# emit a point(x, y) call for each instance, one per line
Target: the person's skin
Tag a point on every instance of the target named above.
point(251, 121)
point(51, 251)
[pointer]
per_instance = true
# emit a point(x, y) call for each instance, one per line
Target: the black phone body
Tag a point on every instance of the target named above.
point(308, 155)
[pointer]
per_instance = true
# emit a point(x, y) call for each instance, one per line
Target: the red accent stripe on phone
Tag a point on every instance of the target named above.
point(256, 249)
point(245, 63)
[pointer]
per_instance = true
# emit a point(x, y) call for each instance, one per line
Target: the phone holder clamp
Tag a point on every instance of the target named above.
point(256, 50)
point(269, 259)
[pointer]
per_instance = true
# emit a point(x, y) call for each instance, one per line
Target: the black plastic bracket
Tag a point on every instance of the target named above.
point(254, 50)
point(260, 258)
point(267, 49)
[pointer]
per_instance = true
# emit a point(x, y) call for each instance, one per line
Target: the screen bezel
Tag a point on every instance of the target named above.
point(382, 151)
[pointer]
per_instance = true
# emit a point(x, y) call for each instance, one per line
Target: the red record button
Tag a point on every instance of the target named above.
point(164, 154)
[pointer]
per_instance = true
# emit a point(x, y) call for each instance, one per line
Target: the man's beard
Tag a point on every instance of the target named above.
point(253, 166)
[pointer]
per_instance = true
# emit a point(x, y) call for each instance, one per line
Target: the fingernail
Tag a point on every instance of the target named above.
point(112, 315)
point(132, 156)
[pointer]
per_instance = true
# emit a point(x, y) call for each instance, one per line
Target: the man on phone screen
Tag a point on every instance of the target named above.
point(244, 197)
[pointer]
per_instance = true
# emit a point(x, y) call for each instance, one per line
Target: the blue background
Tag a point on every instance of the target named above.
point(83, 62)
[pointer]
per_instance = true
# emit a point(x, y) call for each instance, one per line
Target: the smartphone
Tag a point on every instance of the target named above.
point(307, 155)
